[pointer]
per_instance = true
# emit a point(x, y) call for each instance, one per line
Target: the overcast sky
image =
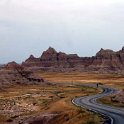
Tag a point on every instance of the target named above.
point(72, 26)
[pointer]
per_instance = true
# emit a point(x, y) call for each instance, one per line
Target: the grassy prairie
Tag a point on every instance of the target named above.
point(34, 100)
point(31, 100)
point(114, 80)
point(80, 77)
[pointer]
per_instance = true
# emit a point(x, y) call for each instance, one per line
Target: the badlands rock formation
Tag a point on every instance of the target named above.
point(13, 73)
point(51, 60)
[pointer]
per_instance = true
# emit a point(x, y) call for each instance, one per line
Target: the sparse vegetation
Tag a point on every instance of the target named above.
point(53, 99)
point(109, 101)
point(32, 99)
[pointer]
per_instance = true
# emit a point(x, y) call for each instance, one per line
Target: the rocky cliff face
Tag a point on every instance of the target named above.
point(32, 62)
point(108, 60)
point(104, 61)
point(13, 73)
point(52, 58)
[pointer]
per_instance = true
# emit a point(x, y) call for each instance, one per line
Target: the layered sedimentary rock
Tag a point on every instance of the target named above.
point(52, 58)
point(32, 61)
point(13, 73)
point(104, 61)
point(108, 60)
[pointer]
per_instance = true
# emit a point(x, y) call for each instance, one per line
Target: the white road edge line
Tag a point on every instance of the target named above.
point(112, 121)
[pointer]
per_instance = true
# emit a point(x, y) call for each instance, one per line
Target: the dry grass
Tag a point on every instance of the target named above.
point(115, 80)
point(109, 101)
point(48, 99)
point(57, 98)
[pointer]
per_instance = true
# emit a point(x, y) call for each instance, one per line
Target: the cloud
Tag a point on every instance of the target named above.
point(80, 26)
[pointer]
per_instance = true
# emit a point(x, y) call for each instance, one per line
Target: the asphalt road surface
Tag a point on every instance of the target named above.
point(115, 115)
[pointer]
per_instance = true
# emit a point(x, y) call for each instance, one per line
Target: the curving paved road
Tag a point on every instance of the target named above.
point(116, 115)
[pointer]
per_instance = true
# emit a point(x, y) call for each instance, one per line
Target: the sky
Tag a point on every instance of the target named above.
point(71, 26)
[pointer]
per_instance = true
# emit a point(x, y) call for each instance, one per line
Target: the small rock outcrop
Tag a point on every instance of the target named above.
point(119, 97)
point(13, 73)
point(13, 65)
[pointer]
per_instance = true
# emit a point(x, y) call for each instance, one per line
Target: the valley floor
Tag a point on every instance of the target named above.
point(51, 103)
